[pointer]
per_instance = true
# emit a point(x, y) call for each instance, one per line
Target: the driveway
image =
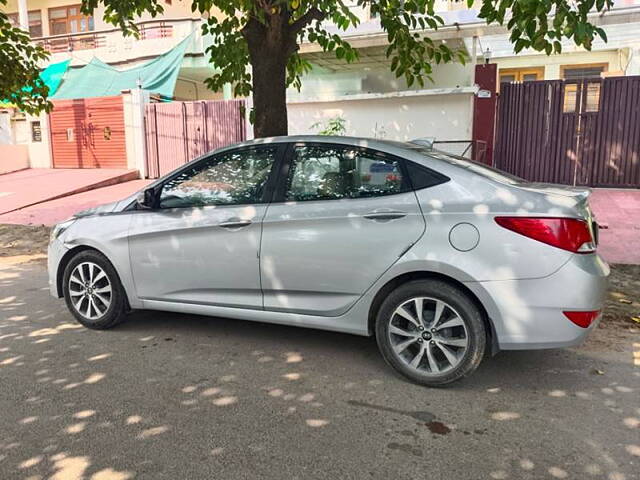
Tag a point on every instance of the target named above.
point(619, 211)
point(58, 210)
point(168, 396)
point(35, 185)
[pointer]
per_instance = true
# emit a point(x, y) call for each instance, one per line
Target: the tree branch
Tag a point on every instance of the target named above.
point(312, 14)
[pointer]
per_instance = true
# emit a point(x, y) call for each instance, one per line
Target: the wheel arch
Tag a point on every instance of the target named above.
point(68, 256)
point(403, 278)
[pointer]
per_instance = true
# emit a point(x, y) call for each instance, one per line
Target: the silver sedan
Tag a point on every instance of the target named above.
point(441, 259)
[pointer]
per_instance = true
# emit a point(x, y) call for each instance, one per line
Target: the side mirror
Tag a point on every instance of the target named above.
point(146, 199)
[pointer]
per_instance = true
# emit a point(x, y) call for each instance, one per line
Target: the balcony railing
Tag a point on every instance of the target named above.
point(149, 30)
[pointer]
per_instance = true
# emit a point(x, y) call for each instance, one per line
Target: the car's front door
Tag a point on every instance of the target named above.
point(343, 217)
point(200, 244)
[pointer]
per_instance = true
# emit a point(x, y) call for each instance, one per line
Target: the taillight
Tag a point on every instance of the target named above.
point(582, 319)
point(567, 233)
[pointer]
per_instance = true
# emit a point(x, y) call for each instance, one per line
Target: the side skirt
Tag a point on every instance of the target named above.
point(348, 323)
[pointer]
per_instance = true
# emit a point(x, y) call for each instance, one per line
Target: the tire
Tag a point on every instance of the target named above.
point(106, 291)
point(446, 351)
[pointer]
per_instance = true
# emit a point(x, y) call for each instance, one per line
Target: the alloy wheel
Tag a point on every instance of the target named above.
point(428, 335)
point(90, 290)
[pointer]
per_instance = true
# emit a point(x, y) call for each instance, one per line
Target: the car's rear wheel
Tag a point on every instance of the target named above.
point(93, 292)
point(431, 332)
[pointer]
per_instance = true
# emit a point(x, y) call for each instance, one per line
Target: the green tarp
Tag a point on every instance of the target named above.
point(97, 79)
point(51, 76)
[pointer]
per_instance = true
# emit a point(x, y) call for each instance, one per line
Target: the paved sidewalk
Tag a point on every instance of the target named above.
point(54, 211)
point(619, 212)
point(36, 185)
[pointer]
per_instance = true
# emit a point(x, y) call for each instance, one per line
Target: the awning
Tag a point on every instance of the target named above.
point(97, 79)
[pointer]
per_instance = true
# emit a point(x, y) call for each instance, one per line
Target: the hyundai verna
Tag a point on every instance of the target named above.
point(439, 258)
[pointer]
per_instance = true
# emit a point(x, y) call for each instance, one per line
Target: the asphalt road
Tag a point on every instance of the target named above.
point(167, 396)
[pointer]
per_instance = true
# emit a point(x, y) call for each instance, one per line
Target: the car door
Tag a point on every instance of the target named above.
point(200, 245)
point(341, 217)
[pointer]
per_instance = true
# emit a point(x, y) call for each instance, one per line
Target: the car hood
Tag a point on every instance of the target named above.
point(99, 210)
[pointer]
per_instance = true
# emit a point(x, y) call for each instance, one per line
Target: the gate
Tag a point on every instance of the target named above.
point(88, 133)
point(178, 132)
point(574, 132)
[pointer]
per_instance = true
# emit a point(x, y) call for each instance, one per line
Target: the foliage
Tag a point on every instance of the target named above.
point(333, 126)
point(268, 32)
point(20, 82)
point(542, 24)
point(537, 24)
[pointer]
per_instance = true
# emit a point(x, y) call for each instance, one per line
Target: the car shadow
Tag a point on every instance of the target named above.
point(529, 370)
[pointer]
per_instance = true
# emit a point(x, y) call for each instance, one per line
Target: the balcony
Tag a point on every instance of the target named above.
point(110, 46)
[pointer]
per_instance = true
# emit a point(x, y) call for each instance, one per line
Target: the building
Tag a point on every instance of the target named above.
point(366, 94)
point(372, 100)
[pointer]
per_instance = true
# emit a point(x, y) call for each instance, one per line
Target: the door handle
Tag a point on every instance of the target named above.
point(235, 223)
point(384, 216)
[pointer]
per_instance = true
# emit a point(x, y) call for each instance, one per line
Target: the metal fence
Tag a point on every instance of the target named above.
point(178, 132)
point(574, 132)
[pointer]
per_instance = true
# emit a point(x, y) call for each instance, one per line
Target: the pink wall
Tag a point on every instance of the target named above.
point(13, 157)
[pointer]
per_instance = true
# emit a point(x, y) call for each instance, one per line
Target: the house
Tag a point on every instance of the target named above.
point(376, 103)
point(366, 94)
point(70, 36)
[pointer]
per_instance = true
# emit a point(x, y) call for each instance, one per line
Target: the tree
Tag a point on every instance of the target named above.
point(265, 34)
point(20, 82)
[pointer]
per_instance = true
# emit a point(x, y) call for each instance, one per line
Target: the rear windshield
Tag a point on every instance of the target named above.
point(484, 170)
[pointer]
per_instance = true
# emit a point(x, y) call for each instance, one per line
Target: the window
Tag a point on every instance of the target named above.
point(35, 22)
point(36, 132)
point(582, 97)
point(510, 75)
point(68, 20)
point(330, 173)
point(593, 97)
point(579, 72)
point(570, 103)
point(422, 177)
point(233, 178)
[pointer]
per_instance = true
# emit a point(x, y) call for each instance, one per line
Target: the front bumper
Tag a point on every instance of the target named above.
point(55, 253)
point(528, 314)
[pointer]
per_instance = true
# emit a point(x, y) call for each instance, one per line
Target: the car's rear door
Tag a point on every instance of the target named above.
point(342, 215)
point(200, 245)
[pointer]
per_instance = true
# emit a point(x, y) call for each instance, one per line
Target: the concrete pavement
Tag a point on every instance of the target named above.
point(55, 211)
point(168, 396)
point(619, 211)
point(36, 185)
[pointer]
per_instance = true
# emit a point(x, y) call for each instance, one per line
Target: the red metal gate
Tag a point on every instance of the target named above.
point(178, 132)
point(88, 133)
point(584, 132)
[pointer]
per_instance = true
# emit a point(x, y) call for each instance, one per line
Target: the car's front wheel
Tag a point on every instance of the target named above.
point(93, 292)
point(431, 332)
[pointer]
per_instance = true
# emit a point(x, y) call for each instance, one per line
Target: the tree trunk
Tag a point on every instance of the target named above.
point(269, 95)
point(270, 47)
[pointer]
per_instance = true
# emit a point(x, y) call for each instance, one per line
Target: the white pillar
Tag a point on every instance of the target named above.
point(227, 92)
point(135, 136)
point(23, 15)
point(633, 68)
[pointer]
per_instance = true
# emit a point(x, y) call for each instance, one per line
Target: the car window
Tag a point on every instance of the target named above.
point(329, 173)
point(232, 178)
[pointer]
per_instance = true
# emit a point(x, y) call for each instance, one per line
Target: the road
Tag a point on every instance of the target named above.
point(168, 396)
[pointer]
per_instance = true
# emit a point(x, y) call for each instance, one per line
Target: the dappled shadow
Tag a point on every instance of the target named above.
point(181, 396)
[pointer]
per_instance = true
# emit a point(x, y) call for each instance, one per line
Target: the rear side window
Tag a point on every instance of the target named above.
point(335, 172)
point(423, 177)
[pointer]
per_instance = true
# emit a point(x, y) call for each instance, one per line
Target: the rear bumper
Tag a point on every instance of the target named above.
point(528, 314)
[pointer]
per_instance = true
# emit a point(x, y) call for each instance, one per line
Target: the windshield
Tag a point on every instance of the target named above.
point(484, 170)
